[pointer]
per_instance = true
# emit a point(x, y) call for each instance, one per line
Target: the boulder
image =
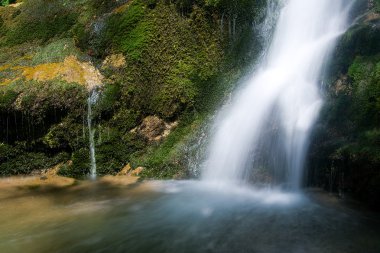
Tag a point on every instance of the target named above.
point(154, 129)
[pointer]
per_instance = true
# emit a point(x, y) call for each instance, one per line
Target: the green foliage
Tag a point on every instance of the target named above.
point(166, 80)
point(127, 32)
point(67, 135)
point(166, 160)
point(348, 143)
point(125, 119)
point(174, 51)
point(38, 98)
point(7, 98)
point(6, 2)
point(79, 166)
point(366, 91)
point(115, 150)
point(377, 5)
point(133, 43)
point(56, 51)
point(109, 100)
point(16, 160)
point(40, 20)
point(178, 91)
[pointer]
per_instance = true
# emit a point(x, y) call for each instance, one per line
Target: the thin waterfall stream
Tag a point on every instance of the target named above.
point(91, 101)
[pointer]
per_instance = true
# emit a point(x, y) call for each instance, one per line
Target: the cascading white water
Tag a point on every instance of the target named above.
point(285, 90)
point(92, 99)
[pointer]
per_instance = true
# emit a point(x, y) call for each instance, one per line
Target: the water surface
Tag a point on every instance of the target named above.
point(184, 216)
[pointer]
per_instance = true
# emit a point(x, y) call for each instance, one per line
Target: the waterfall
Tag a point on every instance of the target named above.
point(92, 99)
point(266, 127)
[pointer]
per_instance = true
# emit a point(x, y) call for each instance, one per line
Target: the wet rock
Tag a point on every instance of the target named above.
point(154, 129)
point(136, 172)
point(125, 171)
point(342, 86)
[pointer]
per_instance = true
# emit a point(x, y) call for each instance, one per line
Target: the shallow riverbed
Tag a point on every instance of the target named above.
point(180, 216)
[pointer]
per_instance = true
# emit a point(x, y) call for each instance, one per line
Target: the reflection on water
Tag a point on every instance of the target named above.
point(180, 217)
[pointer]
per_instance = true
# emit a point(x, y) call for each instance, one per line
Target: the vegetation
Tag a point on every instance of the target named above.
point(175, 59)
point(6, 2)
point(346, 151)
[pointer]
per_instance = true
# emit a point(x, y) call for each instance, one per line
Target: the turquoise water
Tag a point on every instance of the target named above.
point(181, 217)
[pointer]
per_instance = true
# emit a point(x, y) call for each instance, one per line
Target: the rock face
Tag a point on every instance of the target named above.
point(114, 61)
point(136, 172)
point(342, 86)
point(344, 155)
point(128, 171)
point(125, 171)
point(70, 70)
point(154, 129)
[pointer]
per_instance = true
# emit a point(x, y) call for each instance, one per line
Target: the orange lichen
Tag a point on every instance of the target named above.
point(122, 8)
point(71, 70)
point(5, 67)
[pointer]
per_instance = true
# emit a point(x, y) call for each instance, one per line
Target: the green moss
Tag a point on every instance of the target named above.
point(40, 98)
point(377, 6)
point(348, 139)
point(6, 2)
point(174, 52)
point(108, 101)
point(15, 160)
point(40, 20)
point(40, 30)
point(178, 92)
point(115, 150)
point(166, 160)
point(125, 119)
point(127, 31)
point(136, 40)
point(7, 98)
point(366, 91)
point(67, 135)
point(80, 165)
point(173, 65)
point(56, 51)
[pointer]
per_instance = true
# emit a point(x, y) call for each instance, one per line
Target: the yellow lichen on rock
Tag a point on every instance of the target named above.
point(114, 61)
point(71, 70)
point(122, 8)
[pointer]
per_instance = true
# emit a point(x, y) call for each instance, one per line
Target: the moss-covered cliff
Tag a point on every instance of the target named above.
point(345, 153)
point(161, 68)
point(171, 59)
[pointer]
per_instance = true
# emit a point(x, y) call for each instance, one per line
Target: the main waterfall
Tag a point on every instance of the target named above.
point(266, 127)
